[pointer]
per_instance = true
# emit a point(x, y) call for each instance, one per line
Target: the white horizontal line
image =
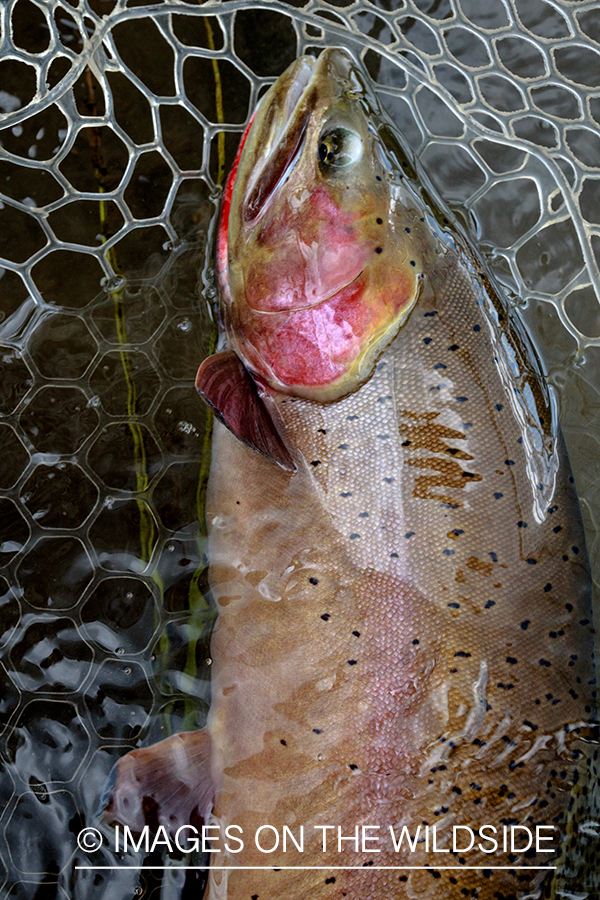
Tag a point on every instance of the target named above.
point(336, 868)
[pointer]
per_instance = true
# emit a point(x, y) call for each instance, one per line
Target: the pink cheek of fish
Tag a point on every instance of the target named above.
point(317, 346)
point(321, 252)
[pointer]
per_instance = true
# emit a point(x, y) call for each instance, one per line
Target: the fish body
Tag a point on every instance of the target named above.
point(404, 632)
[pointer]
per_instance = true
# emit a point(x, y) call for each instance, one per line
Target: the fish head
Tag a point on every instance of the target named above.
point(321, 244)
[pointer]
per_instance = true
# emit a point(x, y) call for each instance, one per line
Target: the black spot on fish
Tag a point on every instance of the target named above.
point(453, 347)
point(509, 462)
point(454, 605)
point(525, 625)
point(409, 534)
point(356, 633)
point(351, 662)
point(547, 587)
point(394, 555)
point(326, 617)
point(363, 515)
point(378, 249)
point(316, 462)
point(521, 524)
point(511, 660)
point(531, 561)
point(412, 262)
point(342, 446)
point(317, 731)
point(346, 494)
point(575, 550)
point(462, 653)
point(557, 529)
point(440, 366)
point(565, 558)
point(498, 495)
point(461, 399)
point(377, 178)
point(427, 340)
point(544, 662)
point(380, 221)
point(354, 536)
point(493, 556)
point(314, 580)
point(416, 641)
point(489, 604)
point(407, 230)
point(389, 479)
point(322, 431)
point(476, 327)
point(353, 766)
point(332, 879)
point(283, 742)
point(351, 418)
point(584, 621)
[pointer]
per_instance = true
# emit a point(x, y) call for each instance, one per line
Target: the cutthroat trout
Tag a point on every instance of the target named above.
point(402, 661)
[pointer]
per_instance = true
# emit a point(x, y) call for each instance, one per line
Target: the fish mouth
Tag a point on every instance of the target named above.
point(279, 133)
point(285, 131)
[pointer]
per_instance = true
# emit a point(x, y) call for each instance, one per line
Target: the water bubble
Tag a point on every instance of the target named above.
point(184, 325)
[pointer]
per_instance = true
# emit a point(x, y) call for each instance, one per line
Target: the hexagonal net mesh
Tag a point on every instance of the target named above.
point(119, 122)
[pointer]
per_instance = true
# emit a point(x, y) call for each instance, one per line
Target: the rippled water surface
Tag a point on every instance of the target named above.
point(118, 122)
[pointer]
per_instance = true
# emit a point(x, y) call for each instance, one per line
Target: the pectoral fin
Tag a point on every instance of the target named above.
point(167, 784)
point(229, 389)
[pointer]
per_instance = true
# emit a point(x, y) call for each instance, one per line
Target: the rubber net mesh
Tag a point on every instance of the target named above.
point(119, 121)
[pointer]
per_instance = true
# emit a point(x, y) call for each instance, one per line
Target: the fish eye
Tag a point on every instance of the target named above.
point(339, 148)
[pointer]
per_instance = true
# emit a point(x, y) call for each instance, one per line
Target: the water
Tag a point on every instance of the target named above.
point(119, 122)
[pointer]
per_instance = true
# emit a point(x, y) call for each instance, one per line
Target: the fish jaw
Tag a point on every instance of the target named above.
point(318, 268)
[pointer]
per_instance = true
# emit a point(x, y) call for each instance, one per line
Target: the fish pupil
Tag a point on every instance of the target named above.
point(339, 148)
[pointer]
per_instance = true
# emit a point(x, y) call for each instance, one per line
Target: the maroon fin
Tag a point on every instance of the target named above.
point(168, 784)
point(229, 389)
